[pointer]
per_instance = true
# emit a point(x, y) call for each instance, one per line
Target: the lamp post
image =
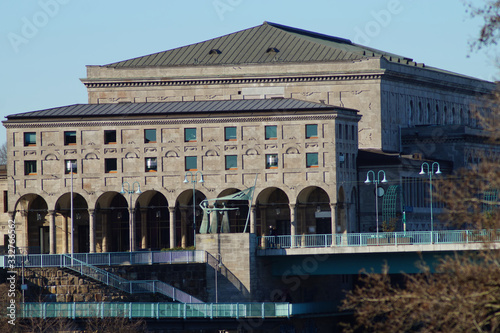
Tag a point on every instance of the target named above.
point(376, 182)
point(194, 180)
point(430, 170)
point(69, 166)
point(131, 217)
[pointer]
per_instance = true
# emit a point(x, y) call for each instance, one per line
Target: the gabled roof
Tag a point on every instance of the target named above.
point(266, 43)
point(172, 108)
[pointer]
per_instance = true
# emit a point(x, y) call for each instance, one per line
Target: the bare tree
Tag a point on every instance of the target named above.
point(489, 12)
point(463, 295)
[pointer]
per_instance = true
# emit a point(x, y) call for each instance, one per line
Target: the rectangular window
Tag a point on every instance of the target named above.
point(312, 160)
point(109, 137)
point(311, 131)
point(29, 168)
point(230, 133)
point(70, 138)
point(271, 132)
point(70, 166)
point(191, 163)
point(231, 162)
point(110, 165)
point(271, 161)
point(190, 135)
point(5, 202)
point(29, 139)
point(151, 164)
point(150, 136)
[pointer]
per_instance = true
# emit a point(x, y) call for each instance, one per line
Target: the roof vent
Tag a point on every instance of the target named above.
point(272, 50)
point(215, 51)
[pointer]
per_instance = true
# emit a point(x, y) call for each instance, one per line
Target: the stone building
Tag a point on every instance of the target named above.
point(273, 101)
point(126, 165)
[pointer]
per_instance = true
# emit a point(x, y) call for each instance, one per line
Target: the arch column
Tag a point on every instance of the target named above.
point(144, 228)
point(52, 232)
point(253, 219)
point(293, 224)
point(91, 230)
point(104, 217)
point(131, 227)
point(263, 224)
point(184, 227)
point(24, 232)
point(333, 209)
point(171, 211)
point(65, 234)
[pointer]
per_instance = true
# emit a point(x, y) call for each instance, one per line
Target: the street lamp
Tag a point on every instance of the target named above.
point(131, 217)
point(194, 179)
point(430, 170)
point(70, 168)
point(376, 182)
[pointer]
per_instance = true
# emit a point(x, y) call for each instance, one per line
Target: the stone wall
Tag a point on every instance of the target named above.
point(234, 256)
point(63, 285)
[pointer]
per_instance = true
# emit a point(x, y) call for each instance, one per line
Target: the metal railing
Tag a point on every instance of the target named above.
point(382, 238)
point(109, 258)
point(155, 310)
point(131, 287)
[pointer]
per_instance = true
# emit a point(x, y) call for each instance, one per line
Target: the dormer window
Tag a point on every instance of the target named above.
point(272, 50)
point(214, 51)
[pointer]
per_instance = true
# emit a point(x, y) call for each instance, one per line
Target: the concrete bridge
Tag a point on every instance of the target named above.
point(352, 253)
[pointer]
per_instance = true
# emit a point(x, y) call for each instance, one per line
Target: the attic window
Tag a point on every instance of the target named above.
point(214, 51)
point(272, 50)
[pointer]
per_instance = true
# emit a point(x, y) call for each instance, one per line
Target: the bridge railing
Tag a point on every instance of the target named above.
point(382, 238)
point(108, 258)
point(155, 310)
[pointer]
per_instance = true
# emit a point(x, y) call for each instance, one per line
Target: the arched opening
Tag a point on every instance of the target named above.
point(80, 224)
point(273, 211)
point(154, 221)
point(341, 211)
point(236, 214)
point(353, 209)
point(314, 211)
point(33, 214)
point(190, 214)
point(112, 223)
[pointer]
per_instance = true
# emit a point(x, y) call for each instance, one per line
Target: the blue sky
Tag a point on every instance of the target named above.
point(46, 44)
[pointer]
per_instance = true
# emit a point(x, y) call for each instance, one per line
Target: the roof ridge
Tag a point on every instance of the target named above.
point(309, 33)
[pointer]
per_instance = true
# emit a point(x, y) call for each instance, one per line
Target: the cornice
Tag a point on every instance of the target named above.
point(436, 83)
point(155, 122)
point(112, 83)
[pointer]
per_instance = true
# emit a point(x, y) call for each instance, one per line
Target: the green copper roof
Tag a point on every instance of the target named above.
point(173, 108)
point(266, 43)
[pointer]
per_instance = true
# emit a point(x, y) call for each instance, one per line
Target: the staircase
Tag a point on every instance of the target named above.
point(131, 287)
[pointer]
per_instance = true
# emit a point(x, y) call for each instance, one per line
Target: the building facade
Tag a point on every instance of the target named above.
point(126, 164)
